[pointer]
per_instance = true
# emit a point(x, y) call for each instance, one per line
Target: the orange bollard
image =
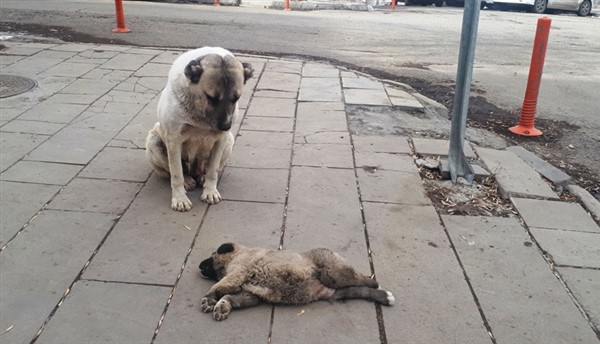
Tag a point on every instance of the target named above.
point(120, 18)
point(287, 5)
point(216, 3)
point(393, 5)
point(525, 126)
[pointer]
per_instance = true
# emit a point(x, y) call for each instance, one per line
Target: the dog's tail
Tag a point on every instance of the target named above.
point(381, 296)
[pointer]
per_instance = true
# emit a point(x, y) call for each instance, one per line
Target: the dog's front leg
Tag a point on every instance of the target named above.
point(209, 191)
point(179, 199)
point(230, 284)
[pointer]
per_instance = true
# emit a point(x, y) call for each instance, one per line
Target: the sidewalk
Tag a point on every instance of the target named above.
point(92, 252)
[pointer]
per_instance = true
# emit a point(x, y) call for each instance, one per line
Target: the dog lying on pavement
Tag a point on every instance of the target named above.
point(245, 276)
point(191, 141)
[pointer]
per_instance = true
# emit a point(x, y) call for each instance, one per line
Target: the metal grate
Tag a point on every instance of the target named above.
point(11, 85)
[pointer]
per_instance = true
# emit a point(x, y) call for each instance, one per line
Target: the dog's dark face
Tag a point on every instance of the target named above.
point(218, 82)
point(215, 267)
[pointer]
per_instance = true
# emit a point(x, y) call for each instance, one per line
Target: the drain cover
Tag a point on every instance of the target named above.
point(11, 85)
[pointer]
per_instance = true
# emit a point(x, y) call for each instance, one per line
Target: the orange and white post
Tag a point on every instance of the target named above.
point(120, 18)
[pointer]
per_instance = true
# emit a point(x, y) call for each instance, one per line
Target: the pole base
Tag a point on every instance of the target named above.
point(524, 131)
point(287, 9)
point(121, 30)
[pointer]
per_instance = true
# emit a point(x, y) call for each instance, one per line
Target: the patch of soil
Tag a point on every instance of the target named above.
point(59, 32)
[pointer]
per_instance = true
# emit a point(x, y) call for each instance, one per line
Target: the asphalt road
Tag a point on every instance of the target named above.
point(409, 44)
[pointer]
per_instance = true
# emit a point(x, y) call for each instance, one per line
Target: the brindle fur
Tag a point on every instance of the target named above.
point(245, 276)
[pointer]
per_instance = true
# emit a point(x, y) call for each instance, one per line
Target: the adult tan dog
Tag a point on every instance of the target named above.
point(248, 275)
point(191, 141)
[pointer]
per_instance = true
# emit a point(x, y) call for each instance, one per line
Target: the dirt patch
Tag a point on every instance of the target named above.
point(59, 32)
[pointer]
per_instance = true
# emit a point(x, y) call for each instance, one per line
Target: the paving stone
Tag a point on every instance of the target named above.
point(51, 111)
point(137, 130)
point(262, 185)
point(70, 69)
point(366, 97)
point(32, 127)
point(514, 284)
point(438, 147)
point(81, 143)
point(167, 57)
point(323, 211)
point(279, 81)
point(268, 123)
point(255, 149)
point(406, 103)
point(142, 85)
point(569, 248)
point(275, 94)
point(323, 137)
point(41, 172)
point(19, 202)
point(584, 284)
point(31, 66)
point(95, 195)
point(384, 161)
point(514, 176)
point(111, 47)
point(43, 259)
point(321, 109)
point(153, 69)
point(320, 90)
point(108, 75)
point(315, 71)
point(280, 66)
point(76, 47)
point(555, 215)
point(53, 54)
point(347, 74)
point(413, 259)
point(82, 99)
point(89, 86)
point(272, 107)
point(544, 168)
point(125, 61)
point(107, 312)
point(352, 321)
point(480, 172)
point(589, 202)
point(120, 164)
point(9, 59)
point(10, 113)
point(381, 144)
point(325, 155)
point(21, 50)
point(362, 83)
point(13, 146)
point(150, 242)
point(330, 121)
point(144, 51)
point(392, 187)
point(250, 224)
point(103, 121)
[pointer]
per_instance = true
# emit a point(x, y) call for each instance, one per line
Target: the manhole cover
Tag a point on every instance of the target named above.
point(11, 85)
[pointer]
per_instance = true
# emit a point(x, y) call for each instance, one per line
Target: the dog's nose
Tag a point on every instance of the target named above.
point(224, 126)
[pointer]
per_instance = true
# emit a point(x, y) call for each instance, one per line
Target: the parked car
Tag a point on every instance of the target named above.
point(461, 3)
point(437, 3)
point(581, 7)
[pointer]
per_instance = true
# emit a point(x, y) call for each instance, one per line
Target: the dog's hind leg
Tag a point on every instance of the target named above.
point(156, 151)
point(334, 272)
point(233, 301)
point(375, 295)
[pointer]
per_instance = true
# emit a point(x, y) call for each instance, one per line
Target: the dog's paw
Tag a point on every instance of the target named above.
point(210, 196)
point(221, 310)
point(189, 183)
point(390, 298)
point(181, 203)
point(207, 304)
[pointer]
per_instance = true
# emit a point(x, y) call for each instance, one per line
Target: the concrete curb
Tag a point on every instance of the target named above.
point(315, 6)
point(591, 204)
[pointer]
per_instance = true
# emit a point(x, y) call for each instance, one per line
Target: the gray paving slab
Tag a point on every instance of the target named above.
point(52, 54)
point(54, 111)
point(323, 137)
point(143, 85)
point(250, 224)
point(544, 168)
point(21, 50)
point(137, 130)
point(101, 312)
point(392, 187)
point(77, 47)
point(272, 107)
point(333, 121)
point(313, 110)
point(275, 94)
point(361, 83)
point(107, 75)
point(8, 113)
point(166, 57)
point(366, 97)
point(81, 99)
point(323, 211)
point(584, 284)
point(285, 124)
point(384, 161)
point(82, 194)
point(589, 202)
point(320, 90)
point(324, 155)
point(438, 147)
point(279, 81)
point(31, 66)
point(569, 248)
point(43, 258)
point(19, 202)
point(353, 321)
point(88, 143)
point(407, 103)
point(41, 172)
point(125, 61)
point(514, 176)
point(555, 215)
point(281, 66)
point(89, 86)
point(144, 51)
point(316, 71)
point(150, 242)
point(13, 146)
point(120, 164)
point(381, 144)
point(520, 296)
point(110, 122)
point(9, 59)
point(262, 185)
point(413, 259)
point(32, 127)
point(256, 149)
point(70, 69)
point(480, 172)
point(153, 69)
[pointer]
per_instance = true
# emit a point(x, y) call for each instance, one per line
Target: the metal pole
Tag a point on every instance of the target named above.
point(458, 163)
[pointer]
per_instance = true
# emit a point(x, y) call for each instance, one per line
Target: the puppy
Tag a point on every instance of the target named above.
point(245, 276)
point(191, 141)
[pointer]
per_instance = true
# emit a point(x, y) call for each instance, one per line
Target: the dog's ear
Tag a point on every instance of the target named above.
point(248, 71)
point(193, 71)
point(225, 248)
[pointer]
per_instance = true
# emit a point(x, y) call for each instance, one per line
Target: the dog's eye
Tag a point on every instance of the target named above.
point(235, 98)
point(213, 99)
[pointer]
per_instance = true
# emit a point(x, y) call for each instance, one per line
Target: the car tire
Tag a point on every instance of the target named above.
point(539, 6)
point(585, 8)
point(439, 3)
point(454, 3)
point(408, 3)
